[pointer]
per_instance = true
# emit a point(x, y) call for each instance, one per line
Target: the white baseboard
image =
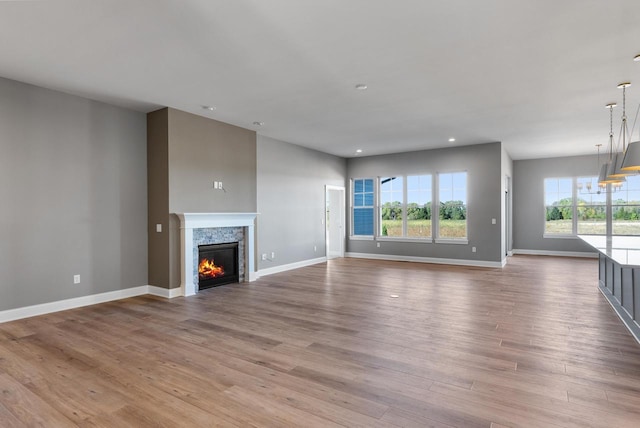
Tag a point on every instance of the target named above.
point(167, 293)
point(78, 302)
point(459, 262)
point(556, 253)
point(63, 305)
point(290, 266)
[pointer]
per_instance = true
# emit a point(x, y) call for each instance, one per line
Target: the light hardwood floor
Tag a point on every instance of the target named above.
point(530, 345)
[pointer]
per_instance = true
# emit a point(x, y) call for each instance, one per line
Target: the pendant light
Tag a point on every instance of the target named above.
point(631, 161)
point(615, 169)
point(604, 178)
point(587, 186)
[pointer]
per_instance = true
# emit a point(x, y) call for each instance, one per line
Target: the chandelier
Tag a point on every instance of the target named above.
point(627, 161)
point(607, 170)
point(631, 161)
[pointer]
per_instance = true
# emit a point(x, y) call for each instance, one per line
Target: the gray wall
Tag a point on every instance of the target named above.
point(291, 194)
point(483, 164)
point(528, 201)
point(74, 196)
point(186, 154)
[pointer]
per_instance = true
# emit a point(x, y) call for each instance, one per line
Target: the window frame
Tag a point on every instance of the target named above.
point(404, 238)
point(406, 207)
point(403, 205)
point(574, 225)
point(435, 210)
point(614, 206)
point(577, 206)
point(575, 193)
point(436, 218)
point(352, 207)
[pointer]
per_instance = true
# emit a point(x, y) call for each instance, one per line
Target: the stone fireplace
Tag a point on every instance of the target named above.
point(198, 229)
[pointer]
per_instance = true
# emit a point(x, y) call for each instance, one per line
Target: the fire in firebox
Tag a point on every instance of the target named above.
point(217, 264)
point(208, 269)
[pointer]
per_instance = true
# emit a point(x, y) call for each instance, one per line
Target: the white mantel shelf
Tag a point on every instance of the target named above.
point(190, 221)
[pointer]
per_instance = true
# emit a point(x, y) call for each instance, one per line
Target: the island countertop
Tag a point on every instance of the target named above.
point(624, 250)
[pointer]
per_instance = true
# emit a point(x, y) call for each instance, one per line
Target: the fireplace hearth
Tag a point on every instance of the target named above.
point(217, 264)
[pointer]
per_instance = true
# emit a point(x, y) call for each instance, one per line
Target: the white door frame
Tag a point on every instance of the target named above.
point(508, 202)
point(341, 224)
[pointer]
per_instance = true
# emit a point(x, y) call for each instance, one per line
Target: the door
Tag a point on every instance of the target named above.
point(334, 221)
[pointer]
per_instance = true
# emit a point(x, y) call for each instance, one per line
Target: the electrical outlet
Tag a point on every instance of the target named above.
point(264, 256)
point(378, 245)
point(315, 248)
point(220, 185)
point(473, 249)
point(76, 279)
point(493, 221)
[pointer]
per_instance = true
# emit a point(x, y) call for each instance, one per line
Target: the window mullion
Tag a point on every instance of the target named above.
point(378, 207)
point(435, 206)
point(574, 191)
point(404, 207)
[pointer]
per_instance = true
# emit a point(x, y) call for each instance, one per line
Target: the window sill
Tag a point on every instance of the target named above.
point(559, 236)
point(452, 241)
point(361, 238)
point(404, 239)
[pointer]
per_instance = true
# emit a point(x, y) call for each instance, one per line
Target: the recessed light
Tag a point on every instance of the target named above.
point(361, 86)
point(359, 151)
point(394, 296)
point(210, 108)
point(451, 140)
point(636, 58)
point(256, 123)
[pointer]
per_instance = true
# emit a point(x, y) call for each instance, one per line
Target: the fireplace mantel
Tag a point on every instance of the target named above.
point(191, 221)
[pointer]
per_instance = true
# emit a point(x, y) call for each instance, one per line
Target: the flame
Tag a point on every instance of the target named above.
point(208, 269)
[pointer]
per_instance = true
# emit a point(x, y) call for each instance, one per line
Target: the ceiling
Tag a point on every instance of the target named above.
point(534, 74)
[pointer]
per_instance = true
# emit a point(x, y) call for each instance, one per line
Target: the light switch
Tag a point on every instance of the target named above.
point(158, 227)
point(493, 221)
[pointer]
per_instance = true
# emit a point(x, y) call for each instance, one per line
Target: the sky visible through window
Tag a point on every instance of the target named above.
point(453, 187)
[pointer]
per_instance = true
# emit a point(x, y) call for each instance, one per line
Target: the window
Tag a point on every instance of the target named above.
point(391, 206)
point(625, 207)
point(452, 196)
point(419, 206)
point(405, 206)
point(574, 205)
point(401, 207)
point(558, 200)
point(591, 207)
point(362, 207)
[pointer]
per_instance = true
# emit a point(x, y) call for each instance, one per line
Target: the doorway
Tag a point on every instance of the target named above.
point(334, 221)
point(508, 241)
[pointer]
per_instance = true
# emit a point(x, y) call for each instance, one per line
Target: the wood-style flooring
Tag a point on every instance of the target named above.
point(530, 345)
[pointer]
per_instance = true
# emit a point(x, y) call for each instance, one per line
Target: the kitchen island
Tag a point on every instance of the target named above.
point(619, 275)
